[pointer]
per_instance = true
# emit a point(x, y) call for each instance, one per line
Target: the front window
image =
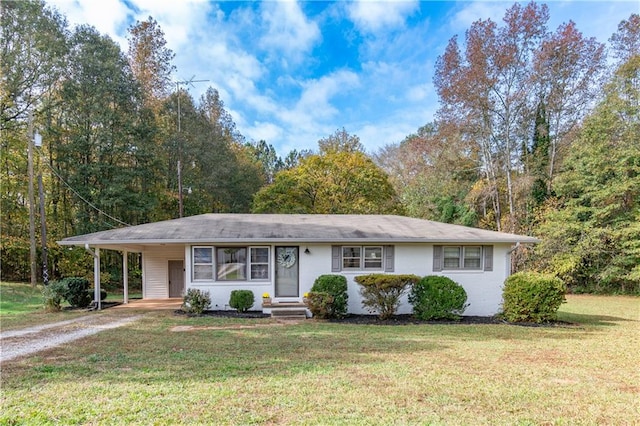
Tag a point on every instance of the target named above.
point(373, 258)
point(472, 257)
point(232, 263)
point(202, 263)
point(452, 257)
point(259, 263)
point(462, 257)
point(352, 257)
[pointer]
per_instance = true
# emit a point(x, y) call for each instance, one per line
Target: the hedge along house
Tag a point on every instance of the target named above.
point(283, 254)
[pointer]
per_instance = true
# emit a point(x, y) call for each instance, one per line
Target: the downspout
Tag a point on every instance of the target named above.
point(508, 258)
point(96, 275)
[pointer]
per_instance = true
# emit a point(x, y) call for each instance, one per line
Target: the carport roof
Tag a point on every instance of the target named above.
point(231, 228)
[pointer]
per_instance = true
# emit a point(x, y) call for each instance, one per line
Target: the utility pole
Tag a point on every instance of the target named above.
point(43, 226)
point(32, 219)
point(178, 83)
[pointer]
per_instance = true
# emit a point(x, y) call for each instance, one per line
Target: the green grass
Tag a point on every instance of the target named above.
point(326, 373)
point(21, 305)
point(19, 298)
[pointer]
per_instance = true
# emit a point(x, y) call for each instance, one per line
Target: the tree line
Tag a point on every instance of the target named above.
point(537, 133)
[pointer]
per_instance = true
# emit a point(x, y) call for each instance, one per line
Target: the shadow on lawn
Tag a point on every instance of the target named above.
point(592, 320)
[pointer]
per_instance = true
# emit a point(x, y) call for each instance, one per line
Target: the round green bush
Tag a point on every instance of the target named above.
point(77, 293)
point(242, 300)
point(336, 286)
point(437, 297)
point(532, 297)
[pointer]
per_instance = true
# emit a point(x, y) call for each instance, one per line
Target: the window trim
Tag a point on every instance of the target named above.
point(217, 277)
point(361, 259)
point(214, 265)
point(250, 264)
point(194, 264)
point(485, 264)
point(342, 258)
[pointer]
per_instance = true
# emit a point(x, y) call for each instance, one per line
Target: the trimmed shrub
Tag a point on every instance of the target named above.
point(196, 301)
point(336, 286)
point(53, 295)
point(320, 304)
point(77, 293)
point(242, 300)
point(381, 292)
point(532, 297)
point(436, 297)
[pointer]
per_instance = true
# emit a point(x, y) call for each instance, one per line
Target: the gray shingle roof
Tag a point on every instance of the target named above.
point(285, 228)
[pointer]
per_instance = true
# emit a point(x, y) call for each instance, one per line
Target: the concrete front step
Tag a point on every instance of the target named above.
point(288, 313)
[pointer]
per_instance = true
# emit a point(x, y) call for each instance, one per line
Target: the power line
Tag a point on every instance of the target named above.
point(82, 198)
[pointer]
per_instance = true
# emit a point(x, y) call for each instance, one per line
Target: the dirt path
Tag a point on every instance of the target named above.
point(27, 341)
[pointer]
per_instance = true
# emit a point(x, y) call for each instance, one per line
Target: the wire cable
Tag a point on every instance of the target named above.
point(82, 198)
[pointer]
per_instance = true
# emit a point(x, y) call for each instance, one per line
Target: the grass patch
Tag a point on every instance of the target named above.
point(19, 298)
point(21, 305)
point(328, 373)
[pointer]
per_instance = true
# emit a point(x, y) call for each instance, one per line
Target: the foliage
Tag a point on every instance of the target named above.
point(321, 304)
point(381, 292)
point(340, 141)
point(336, 286)
point(490, 88)
point(336, 182)
point(591, 231)
point(532, 297)
point(53, 295)
point(77, 291)
point(437, 297)
point(242, 300)
point(196, 301)
point(432, 171)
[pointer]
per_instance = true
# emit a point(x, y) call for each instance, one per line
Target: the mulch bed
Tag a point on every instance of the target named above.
point(374, 320)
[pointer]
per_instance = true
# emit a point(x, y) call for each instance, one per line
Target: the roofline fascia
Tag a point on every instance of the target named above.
point(296, 240)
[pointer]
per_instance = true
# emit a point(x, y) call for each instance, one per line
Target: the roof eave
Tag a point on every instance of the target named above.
point(528, 240)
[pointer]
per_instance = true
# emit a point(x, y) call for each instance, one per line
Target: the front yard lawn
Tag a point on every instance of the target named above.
point(168, 369)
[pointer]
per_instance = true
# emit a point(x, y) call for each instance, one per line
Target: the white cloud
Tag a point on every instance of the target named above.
point(287, 28)
point(372, 16)
point(479, 10)
point(263, 130)
point(107, 16)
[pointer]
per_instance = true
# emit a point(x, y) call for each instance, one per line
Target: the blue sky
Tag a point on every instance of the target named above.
point(294, 72)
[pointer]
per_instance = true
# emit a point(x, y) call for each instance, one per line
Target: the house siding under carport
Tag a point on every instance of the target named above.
point(155, 269)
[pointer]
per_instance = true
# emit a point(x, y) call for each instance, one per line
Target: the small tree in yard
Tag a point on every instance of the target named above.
point(196, 301)
point(242, 300)
point(329, 297)
point(320, 304)
point(436, 297)
point(53, 295)
point(381, 293)
point(532, 297)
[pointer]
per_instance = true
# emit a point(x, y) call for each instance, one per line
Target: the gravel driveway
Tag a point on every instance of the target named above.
point(27, 341)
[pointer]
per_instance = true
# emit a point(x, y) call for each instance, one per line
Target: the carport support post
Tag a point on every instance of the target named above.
point(96, 278)
point(125, 276)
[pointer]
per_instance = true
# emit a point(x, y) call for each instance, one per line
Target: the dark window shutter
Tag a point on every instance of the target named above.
point(488, 257)
point(437, 258)
point(336, 257)
point(388, 258)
